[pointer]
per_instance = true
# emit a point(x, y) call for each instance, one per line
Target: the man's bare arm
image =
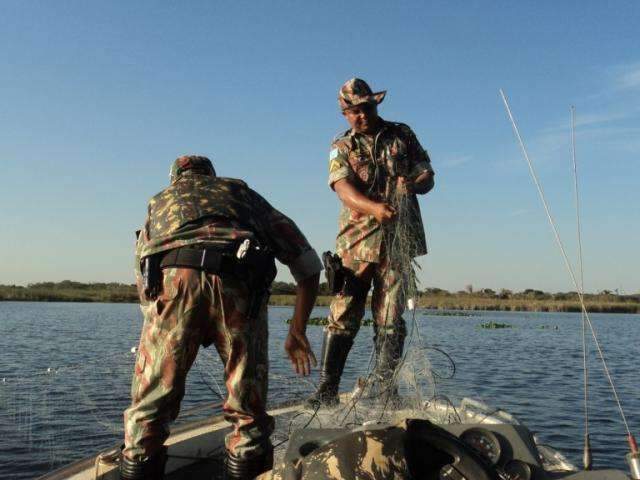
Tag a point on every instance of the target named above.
point(351, 197)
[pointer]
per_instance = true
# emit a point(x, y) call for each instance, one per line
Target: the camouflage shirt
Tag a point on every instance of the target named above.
point(372, 164)
point(215, 211)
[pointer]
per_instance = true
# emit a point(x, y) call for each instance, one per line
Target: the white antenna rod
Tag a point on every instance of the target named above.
point(566, 259)
point(587, 457)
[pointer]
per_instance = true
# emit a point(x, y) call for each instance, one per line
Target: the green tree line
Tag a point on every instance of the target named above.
point(283, 294)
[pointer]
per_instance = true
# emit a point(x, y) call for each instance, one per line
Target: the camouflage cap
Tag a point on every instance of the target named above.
point(196, 163)
point(355, 92)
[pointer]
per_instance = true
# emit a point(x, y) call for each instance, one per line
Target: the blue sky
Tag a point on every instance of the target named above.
point(98, 98)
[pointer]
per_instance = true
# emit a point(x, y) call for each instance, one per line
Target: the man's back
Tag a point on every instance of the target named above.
point(207, 210)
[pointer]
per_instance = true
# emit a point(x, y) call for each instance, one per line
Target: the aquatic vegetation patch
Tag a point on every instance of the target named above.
point(323, 321)
point(494, 325)
point(447, 313)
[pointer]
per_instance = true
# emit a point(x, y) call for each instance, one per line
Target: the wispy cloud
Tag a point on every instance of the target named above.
point(455, 161)
point(607, 119)
point(612, 137)
point(615, 139)
point(589, 119)
point(518, 213)
point(611, 124)
point(627, 76)
point(550, 141)
point(617, 83)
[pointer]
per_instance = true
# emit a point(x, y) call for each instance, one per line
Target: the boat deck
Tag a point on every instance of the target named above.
point(196, 449)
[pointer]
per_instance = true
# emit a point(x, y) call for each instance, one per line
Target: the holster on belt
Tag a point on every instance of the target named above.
point(341, 279)
point(334, 272)
point(261, 270)
point(151, 276)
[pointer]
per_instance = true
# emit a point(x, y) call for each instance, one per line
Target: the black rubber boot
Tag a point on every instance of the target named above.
point(335, 349)
point(389, 347)
point(241, 468)
point(150, 469)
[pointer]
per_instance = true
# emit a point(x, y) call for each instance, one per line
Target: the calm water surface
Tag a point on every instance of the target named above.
point(65, 372)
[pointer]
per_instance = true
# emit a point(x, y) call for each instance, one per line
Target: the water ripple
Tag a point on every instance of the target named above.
point(67, 372)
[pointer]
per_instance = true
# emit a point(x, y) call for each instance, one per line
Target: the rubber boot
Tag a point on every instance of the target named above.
point(335, 349)
point(247, 468)
point(152, 468)
point(389, 347)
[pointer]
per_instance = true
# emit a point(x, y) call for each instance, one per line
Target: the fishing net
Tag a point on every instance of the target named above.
point(415, 377)
point(57, 415)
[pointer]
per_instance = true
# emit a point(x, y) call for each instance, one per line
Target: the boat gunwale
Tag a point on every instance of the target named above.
point(67, 471)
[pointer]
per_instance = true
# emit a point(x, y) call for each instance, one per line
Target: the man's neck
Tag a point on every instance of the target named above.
point(374, 130)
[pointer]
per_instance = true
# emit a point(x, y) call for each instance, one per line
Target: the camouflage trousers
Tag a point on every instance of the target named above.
point(197, 308)
point(387, 300)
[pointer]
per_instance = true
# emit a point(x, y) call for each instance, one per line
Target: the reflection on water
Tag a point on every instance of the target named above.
point(65, 371)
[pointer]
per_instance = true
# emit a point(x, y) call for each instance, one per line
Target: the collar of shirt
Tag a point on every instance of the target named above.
point(383, 126)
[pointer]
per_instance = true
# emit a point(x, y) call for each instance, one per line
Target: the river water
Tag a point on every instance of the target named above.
point(65, 371)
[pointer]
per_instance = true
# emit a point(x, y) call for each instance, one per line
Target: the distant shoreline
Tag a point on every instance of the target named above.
point(471, 303)
point(283, 295)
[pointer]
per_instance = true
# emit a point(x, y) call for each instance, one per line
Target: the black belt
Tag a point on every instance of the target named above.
point(212, 260)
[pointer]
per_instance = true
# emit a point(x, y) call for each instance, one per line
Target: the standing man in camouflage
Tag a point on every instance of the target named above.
point(206, 261)
point(376, 168)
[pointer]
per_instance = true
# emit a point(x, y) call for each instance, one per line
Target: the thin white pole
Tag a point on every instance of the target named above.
point(566, 259)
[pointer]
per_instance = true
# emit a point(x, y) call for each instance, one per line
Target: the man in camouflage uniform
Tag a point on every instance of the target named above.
point(212, 292)
point(376, 168)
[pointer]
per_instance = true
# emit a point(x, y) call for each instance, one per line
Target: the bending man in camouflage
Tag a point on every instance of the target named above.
point(376, 168)
point(206, 255)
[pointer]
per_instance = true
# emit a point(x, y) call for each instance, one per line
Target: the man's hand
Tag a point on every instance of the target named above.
point(296, 345)
point(299, 351)
point(384, 213)
point(361, 204)
point(421, 184)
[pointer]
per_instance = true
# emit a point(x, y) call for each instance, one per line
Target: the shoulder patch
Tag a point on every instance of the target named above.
point(333, 166)
point(333, 153)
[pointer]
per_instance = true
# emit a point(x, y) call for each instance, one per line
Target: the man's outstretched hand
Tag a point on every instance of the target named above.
point(299, 352)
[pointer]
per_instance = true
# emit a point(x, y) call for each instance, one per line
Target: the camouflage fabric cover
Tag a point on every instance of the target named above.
point(209, 211)
point(197, 308)
point(375, 454)
point(372, 165)
point(356, 92)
